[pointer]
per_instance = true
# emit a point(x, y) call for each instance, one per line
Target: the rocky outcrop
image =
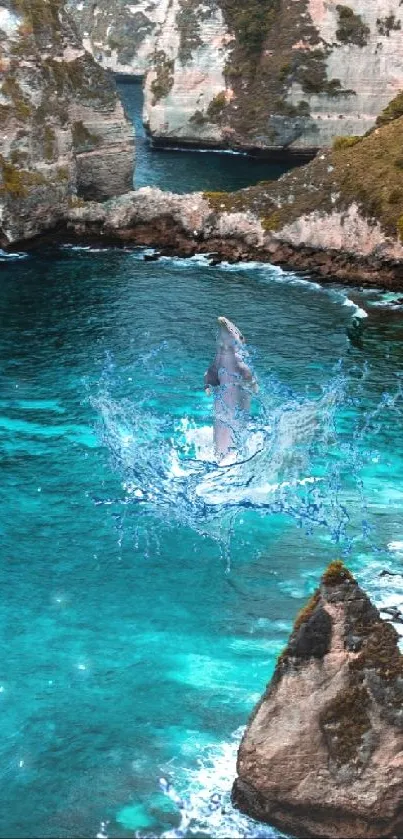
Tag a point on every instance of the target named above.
point(341, 215)
point(120, 35)
point(63, 132)
point(270, 74)
point(322, 754)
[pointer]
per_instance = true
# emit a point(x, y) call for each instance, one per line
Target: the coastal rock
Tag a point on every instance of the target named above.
point(341, 215)
point(270, 74)
point(322, 754)
point(63, 133)
point(120, 35)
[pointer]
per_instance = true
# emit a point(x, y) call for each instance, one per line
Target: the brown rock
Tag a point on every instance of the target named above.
point(322, 754)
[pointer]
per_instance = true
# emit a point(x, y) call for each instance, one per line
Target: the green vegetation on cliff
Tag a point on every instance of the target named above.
point(250, 22)
point(265, 62)
point(367, 171)
point(164, 76)
point(393, 110)
point(16, 182)
point(371, 174)
point(351, 27)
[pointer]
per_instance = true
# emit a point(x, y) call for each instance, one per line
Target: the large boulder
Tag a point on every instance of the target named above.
point(63, 131)
point(322, 754)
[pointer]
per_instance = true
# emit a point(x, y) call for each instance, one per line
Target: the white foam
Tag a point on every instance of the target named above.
point(395, 546)
point(86, 248)
point(358, 312)
point(203, 151)
point(205, 807)
point(9, 256)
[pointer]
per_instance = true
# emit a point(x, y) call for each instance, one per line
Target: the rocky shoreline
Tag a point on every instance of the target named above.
point(186, 225)
point(326, 266)
point(288, 156)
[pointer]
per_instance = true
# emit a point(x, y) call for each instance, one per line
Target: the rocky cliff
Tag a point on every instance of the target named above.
point(63, 132)
point(322, 754)
point(340, 215)
point(120, 35)
point(272, 74)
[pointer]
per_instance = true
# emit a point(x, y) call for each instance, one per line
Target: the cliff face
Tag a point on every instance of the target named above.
point(340, 215)
point(322, 754)
point(120, 35)
point(185, 89)
point(272, 74)
point(62, 128)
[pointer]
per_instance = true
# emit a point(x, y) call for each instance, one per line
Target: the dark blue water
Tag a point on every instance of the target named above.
point(184, 171)
point(146, 594)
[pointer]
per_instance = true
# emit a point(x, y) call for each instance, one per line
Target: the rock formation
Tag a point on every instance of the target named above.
point(272, 74)
point(62, 128)
point(340, 215)
point(120, 35)
point(322, 754)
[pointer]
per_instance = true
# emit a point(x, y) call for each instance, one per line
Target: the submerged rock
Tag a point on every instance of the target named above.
point(322, 754)
point(63, 132)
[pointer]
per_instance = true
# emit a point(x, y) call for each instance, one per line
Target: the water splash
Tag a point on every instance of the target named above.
point(298, 461)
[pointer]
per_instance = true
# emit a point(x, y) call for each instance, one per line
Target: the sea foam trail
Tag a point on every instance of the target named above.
point(12, 257)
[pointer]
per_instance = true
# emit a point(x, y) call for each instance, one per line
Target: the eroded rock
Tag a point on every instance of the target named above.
point(63, 132)
point(322, 754)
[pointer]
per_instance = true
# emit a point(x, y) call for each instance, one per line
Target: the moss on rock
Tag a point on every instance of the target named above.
point(216, 107)
point(83, 139)
point(16, 182)
point(336, 573)
point(305, 613)
point(344, 722)
point(12, 91)
point(351, 27)
point(345, 142)
point(164, 79)
point(393, 111)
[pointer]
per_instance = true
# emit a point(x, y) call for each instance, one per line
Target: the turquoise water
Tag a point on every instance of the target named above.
point(146, 594)
point(190, 171)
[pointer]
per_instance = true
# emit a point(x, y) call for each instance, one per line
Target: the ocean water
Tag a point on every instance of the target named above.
point(147, 593)
point(186, 170)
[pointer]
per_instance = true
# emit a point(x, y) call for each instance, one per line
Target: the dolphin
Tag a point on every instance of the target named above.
point(233, 383)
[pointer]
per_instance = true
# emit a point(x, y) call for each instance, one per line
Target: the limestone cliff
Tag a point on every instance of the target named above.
point(340, 215)
point(272, 74)
point(322, 754)
point(63, 132)
point(120, 35)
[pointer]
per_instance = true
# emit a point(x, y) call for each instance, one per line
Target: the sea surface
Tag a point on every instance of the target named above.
point(182, 170)
point(146, 593)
